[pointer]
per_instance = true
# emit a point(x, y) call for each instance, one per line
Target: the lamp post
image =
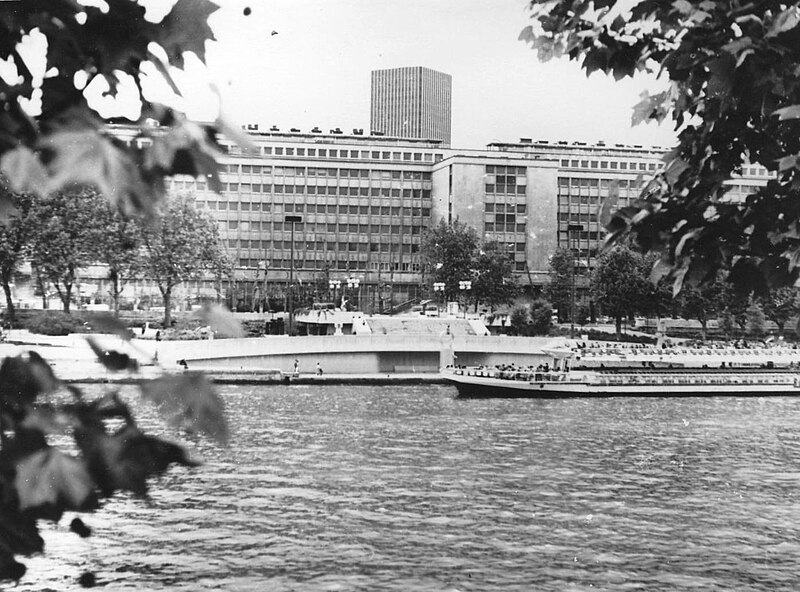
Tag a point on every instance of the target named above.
point(353, 283)
point(571, 229)
point(465, 285)
point(334, 285)
point(263, 302)
point(291, 220)
point(439, 287)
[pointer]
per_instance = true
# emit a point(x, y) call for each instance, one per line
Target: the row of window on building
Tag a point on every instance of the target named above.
point(340, 209)
point(618, 165)
point(325, 172)
point(347, 153)
point(336, 264)
point(333, 227)
point(248, 188)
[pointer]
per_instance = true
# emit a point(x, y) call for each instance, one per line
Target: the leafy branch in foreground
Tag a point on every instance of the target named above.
point(51, 132)
point(41, 481)
point(734, 96)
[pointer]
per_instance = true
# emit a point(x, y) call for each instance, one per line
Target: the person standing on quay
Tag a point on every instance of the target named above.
point(296, 367)
point(319, 369)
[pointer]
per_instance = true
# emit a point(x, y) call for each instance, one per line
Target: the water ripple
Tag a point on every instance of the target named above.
point(405, 488)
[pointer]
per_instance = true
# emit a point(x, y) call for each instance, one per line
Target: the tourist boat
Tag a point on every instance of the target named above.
point(656, 382)
point(637, 372)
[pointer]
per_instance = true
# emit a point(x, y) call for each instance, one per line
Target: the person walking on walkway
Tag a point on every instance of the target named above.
point(296, 367)
point(319, 369)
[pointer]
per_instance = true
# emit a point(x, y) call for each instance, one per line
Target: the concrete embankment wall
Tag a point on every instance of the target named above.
point(355, 353)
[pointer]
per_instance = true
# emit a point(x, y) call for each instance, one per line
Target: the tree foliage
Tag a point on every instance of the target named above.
point(618, 285)
point(448, 250)
point(52, 139)
point(64, 230)
point(704, 302)
point(51, 134)
point(40, 480)
point(734, 97)
point(14, 235)
point(119, 246)
point(559, 290)
point(780, 304)
point(182, 245)
point(493, 276)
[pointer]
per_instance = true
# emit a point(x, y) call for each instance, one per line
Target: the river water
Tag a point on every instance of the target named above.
point(405, 488)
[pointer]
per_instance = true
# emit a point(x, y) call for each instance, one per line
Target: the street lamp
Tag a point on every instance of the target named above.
point(353, 283)
point(334, 285)
point(291, 220)
point(439, 287)
point(465, 285)
point(264, 302)
point(571, 229)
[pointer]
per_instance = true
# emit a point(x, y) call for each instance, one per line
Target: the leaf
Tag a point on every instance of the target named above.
point(126, 459)
point(79, 527)
point(650, 107)
point(785, 21)
point(527, 35)
point(736, 46)
point(674, 169)
point(683, 6)
point(106, 323)
point(50, 482)
point(679, 275)
point(221, 320)
point(660, 269)
point(10, 569)
point(24, 171)
point(684, 240)
point(606, 207)
point(235, 134)
point(111, 359)
point(186, 28)
point(23, 380)
point(790, 112)
point(788, 162)
point(189, 401)
point(87, 580)
point(86, 157)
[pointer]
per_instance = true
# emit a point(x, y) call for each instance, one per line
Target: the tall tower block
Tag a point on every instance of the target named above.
point(411, 102)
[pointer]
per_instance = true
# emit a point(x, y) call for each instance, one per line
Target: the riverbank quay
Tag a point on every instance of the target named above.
point(344, 359)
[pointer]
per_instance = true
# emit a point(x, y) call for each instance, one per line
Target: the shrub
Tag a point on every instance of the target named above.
point(55, 322)
point(541, 317)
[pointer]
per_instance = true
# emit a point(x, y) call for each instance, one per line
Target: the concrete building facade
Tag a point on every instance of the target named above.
point(365, 201)
point(411, 102)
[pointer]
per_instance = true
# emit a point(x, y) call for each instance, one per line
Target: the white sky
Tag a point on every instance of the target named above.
point(316, 69)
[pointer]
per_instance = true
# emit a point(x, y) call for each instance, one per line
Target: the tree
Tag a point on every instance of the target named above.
point(448, 250)
point(617, 284)
point(63, 231)
point(734, 97)
point(13, 245)
point(119, 246)
point(493, 273)
point(756, 321)
point(541, 316)
point(735, 312)
point(559, 290)
point(703, 303)
point(519, 320)
point(780, 305)
point(182, 245)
